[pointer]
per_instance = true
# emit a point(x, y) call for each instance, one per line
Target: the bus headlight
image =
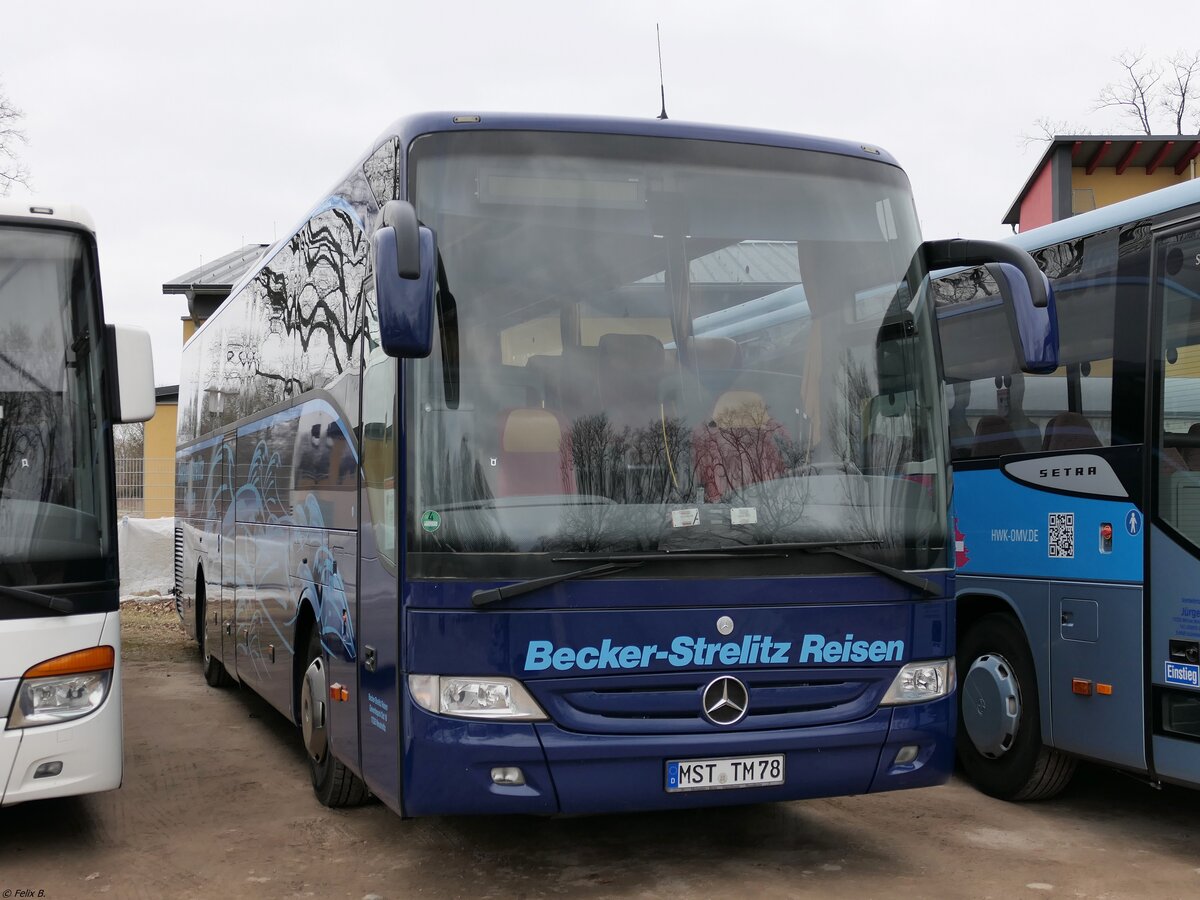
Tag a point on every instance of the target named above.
point(917, 682)
point(63, 688)
point(475, 698)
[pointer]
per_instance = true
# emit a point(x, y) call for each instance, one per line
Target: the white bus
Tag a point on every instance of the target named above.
point(61, 390)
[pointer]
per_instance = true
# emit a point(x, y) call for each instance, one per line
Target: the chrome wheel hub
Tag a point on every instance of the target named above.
point(313, 695)
point(991, 705)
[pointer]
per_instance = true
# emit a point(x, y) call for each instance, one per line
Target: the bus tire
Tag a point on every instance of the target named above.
point(334, 784)
point(214, 670)
point(999, 716)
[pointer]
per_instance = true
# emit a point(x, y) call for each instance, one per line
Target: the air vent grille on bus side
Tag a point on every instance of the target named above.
point(178, 590)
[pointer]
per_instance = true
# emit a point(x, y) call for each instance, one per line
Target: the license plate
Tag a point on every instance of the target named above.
point(718, 774)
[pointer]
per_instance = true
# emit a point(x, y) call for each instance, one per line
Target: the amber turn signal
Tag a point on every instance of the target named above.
point(91, 660)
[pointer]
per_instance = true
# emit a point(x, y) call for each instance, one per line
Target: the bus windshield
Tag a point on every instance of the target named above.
point(51, 530)
point(648, 345)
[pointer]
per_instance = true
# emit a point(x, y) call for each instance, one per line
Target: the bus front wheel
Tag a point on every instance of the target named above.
point(334, 784)
point(999, 717)
point(214, 670)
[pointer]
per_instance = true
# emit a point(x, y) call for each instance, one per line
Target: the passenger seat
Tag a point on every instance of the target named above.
point(1069, 431)
point(994, 437)
point(1191, 455)
point(632, 367)
point(530, 461)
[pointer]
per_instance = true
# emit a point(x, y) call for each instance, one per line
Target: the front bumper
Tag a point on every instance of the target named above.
point(448, 763)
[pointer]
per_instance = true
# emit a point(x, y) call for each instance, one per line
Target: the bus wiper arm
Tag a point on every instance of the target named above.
point(836, 548)
point(727, 551)
point(922, 584)
point(42, 601)
point(493, 595)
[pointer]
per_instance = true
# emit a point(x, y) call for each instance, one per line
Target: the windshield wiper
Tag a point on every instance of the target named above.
point(922, 584)
point(493, 595)
point(610, 564)
point(835, 548)
point(618, 562)
point(42, 601)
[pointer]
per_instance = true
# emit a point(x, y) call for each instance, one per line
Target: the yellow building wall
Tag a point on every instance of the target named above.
point(189, 328)
point(158, 479)
point(1108, 187)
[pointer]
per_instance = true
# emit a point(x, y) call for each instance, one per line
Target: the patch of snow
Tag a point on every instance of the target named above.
point(146, 550)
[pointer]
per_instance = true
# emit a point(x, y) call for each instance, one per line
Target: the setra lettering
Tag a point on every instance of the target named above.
point(1067, 472)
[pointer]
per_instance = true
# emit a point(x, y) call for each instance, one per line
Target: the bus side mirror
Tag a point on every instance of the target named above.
point(405, 277)
point(132, 390)
point(1035, 335)
point(1024, 289)
point(957, 253)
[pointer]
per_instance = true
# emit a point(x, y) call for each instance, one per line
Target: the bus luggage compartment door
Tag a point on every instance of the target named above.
point(1095, 671)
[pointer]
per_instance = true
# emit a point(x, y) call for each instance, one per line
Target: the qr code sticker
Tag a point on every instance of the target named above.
point(1062, 535)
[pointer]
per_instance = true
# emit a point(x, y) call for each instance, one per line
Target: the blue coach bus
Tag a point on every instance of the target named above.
point(561, 465)
point(1077, 496)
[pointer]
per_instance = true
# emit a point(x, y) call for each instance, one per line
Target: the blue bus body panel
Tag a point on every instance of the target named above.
point(1175, 604)
point(1081, 608)
point(626, 593)
point(539, 644)
point(378, 700)
point(410, 128)
point(1176, 760)
point(1006, 529)
point(622, 688)
point(566, 772)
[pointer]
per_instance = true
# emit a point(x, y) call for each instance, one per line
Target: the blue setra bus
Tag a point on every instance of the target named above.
point(562, 465)
point(1077, 497)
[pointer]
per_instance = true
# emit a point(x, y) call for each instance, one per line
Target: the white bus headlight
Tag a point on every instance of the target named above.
point(475, 698)
point(63, 688)
point(917, 682)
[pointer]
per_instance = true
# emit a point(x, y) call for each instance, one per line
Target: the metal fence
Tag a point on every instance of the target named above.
point(145, 487)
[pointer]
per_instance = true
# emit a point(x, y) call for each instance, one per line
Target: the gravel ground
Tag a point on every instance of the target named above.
point(216, 803)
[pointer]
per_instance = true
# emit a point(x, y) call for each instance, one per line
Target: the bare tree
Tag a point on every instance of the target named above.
point(11, 169)
point(1046, 129)
point(1181, 87)
point(1133, 94)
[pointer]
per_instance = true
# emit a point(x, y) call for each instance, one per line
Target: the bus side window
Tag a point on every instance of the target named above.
point(379, 452)
point(1179, 460)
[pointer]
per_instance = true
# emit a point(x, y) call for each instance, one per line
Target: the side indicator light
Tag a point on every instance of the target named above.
point(93, 659)
point(338, 694)
point(1105, 689)
point(1081, 686)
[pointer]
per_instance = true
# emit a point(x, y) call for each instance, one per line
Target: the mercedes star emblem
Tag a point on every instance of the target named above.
point(725, 701)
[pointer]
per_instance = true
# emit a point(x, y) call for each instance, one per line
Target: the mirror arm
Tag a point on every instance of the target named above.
point(956, 252)
point(401, 217)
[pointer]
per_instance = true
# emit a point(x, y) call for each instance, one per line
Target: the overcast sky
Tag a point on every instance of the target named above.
point(190, 130)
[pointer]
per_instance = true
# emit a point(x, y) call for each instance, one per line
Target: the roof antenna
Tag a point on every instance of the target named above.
point(661, 88)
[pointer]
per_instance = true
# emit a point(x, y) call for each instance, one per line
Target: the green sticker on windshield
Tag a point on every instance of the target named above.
point(431, 521)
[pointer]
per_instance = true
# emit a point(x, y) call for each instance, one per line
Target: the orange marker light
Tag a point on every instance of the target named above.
point(1081, 686)
point(93, 659)
point(338, 694)
point(1105, 689)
